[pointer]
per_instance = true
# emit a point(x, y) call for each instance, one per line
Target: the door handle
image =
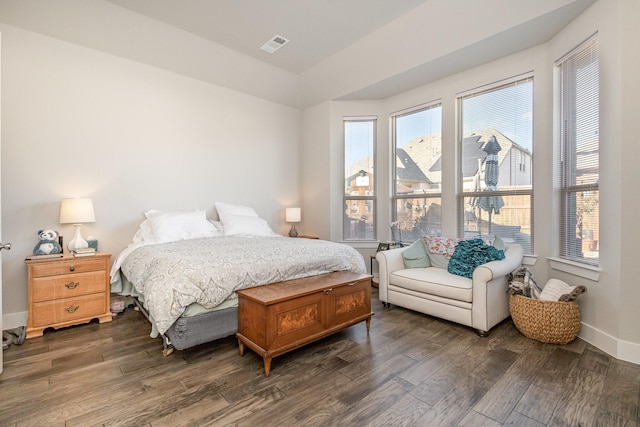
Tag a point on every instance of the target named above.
point(6, 246)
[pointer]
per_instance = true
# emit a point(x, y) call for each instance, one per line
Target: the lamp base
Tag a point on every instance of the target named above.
point(293, 232)
point(77, 242)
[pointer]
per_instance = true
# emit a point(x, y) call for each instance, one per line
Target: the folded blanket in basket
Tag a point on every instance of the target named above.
point(557, 290)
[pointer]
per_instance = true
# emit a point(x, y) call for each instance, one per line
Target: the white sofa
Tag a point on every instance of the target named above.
point(480, 302)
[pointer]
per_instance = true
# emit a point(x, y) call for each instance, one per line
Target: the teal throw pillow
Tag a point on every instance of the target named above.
point(471, 253)
point(415, 256)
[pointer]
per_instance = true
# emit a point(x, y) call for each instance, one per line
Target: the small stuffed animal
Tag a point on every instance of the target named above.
point(48, 243)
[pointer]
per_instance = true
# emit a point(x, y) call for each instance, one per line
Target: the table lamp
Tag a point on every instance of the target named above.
point(293, 215)
point(76, 212)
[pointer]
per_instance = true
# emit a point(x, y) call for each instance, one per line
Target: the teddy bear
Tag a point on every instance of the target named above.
point(48, 243)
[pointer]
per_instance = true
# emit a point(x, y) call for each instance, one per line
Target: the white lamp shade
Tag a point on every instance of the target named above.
point(76, 211)
point(293, 214)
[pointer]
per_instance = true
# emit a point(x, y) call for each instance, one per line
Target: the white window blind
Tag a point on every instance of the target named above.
point(495, 162)
point(580, 142)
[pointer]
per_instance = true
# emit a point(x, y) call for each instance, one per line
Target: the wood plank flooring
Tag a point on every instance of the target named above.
point(411, 370)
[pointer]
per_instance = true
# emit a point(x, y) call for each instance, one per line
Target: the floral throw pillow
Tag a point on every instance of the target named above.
point(440, 250)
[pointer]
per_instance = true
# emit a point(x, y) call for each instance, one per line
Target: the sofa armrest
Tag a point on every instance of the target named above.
point(388, 262)
point(513, 254)
point(490, 297)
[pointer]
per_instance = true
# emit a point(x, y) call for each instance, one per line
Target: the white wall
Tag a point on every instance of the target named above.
point(78, 122)
point(609, 316)
point(629, 153)
point(600, 306)
point(316, 172)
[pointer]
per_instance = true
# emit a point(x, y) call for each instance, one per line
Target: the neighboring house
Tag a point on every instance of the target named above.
point(514, 161)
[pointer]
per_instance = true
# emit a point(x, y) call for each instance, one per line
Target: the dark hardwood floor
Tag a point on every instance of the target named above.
point(411, 370)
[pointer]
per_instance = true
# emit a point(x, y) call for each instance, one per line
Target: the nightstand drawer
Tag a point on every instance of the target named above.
point(75, 265)
point(67, 286)
point(67, 291)
point(68, 309)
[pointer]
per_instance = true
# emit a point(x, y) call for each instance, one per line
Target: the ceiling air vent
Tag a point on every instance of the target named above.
point(274, 44)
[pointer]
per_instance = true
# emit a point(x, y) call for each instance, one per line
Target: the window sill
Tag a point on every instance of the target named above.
point(361, 244)
point(529, 259)
point(577, 269)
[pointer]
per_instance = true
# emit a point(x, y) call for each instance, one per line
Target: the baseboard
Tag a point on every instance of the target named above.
point(629, 351)
point(623, 350)
point(14, 320)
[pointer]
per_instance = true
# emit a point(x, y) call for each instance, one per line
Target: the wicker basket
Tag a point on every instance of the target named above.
point(552, 322)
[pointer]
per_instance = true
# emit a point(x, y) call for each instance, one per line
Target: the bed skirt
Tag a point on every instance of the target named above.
point(190, 331)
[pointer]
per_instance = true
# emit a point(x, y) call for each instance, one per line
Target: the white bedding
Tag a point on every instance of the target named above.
point(207, 271)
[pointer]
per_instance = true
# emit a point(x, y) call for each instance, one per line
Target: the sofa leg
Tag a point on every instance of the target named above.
point(386, 304)
point(483, 334)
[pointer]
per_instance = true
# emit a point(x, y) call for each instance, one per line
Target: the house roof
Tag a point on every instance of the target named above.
point(472, 147)
point(407, 169)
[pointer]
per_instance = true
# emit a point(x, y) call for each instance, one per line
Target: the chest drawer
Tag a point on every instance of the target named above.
point(68, 309)
point(68, 285)
point(73, 265)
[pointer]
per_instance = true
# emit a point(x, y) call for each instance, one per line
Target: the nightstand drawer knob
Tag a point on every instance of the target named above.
point(326, 291)
point(71, 285)
point(72, 309)
point(72, 268)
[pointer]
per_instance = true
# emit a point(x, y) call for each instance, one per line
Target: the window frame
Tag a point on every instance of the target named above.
point(370, 200)
point(395, 197)
point(520, 163)
point(569, 226)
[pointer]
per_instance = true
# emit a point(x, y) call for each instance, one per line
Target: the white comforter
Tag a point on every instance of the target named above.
point(173, 275)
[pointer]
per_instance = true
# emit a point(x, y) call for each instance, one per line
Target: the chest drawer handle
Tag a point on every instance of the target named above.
point(72, 268)
point(326, 291)
point(72, 309)
point(71, 285)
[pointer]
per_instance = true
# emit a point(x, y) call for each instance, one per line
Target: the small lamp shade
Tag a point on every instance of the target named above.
point(77, 212)
point(293, 215)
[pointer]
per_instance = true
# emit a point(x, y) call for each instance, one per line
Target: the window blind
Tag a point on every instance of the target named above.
point(579, 157)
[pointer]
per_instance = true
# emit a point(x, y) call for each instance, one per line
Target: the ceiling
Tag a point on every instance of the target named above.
point(338, 49)
point(316, 29)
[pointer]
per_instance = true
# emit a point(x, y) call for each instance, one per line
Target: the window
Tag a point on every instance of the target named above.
point(580, 141)
point(359, 178)
point(417, 169)
point(496, 155)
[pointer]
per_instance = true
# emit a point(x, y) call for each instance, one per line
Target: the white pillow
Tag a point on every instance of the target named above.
point(174, 226)
point(217, 224)
point(243, 225)
point(148, 214)
point(226, 209)
point(144, 233)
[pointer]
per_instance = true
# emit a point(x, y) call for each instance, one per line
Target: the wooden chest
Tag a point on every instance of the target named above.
point(67, 291)
point(277, 318)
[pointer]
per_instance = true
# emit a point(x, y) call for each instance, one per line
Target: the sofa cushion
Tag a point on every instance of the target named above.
point(434, 281)
point(416, 255)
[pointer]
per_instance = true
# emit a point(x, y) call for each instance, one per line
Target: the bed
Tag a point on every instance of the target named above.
point(183, 269)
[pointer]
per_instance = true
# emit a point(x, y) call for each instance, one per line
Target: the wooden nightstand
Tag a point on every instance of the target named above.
point(68, 291)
